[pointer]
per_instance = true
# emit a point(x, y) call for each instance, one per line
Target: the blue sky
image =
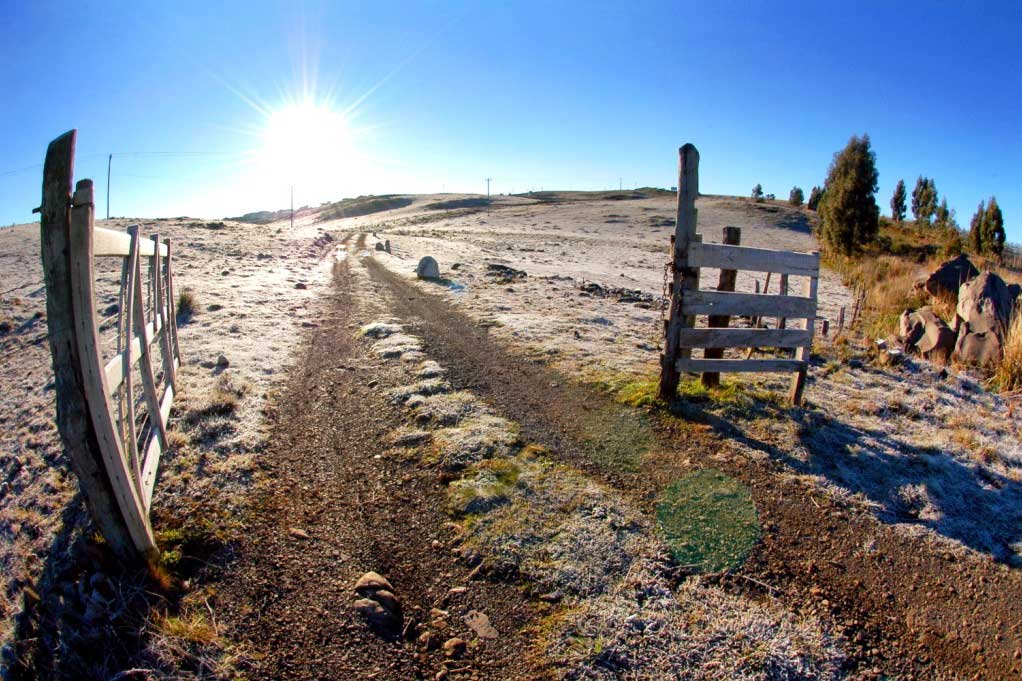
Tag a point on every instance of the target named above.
point(438, 96)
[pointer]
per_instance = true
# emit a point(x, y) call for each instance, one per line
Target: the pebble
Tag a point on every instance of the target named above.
point(455, 647)
point(222, 361)
point(479, 622)
point(372, 581)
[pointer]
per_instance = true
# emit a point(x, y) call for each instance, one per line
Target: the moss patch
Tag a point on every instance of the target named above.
point(708, 520)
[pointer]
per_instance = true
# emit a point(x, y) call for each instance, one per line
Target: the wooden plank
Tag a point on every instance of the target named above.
point(154, 449)
point(697, 365)
point(725, 256)
point(749, 304)
point(130, 430)
point(145, 364)
point(161, 309)
point(685, 275)
point(744, 338)
point(726, 282)
point(114, 369)
point(113, 243)
point(97, 396)
point(798, 382)
point(171, 302)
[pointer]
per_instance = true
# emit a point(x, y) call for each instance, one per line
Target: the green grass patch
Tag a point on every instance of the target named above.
point(709, 521)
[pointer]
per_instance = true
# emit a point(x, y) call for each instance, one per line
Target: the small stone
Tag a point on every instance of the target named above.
point(427, 268)
point(455, 647)
point(429, 640)
point(301, 285)
point(457, 590)
point(299, 533)
point(479, 622)
point(376, 614)
point(552, 597)
point(389, 601)
point(371, 582)
point(222, 361)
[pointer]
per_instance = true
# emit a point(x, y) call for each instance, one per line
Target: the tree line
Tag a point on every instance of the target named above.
point(850, 216)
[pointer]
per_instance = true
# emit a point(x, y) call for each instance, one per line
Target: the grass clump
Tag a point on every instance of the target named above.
point(709, 521)
point(186, 306)
point(227, 393)
point(1008, 377)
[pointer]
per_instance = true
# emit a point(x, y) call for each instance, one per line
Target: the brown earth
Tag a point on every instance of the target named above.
point(904, 610)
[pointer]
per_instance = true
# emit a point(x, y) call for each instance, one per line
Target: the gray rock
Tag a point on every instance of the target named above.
point(389, 601)
point(455, 647)
point(222, 361)
point(428, 268)
point(386, 245)
point(479, 622)
point(980, 348)
point(945, 281)
point(985, 304)
point(924, 331)
point(380, 247)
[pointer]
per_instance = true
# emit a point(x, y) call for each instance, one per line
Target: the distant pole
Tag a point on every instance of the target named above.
point(487, 187)
point(620, 185)
point(292, 206)
point(109, 162)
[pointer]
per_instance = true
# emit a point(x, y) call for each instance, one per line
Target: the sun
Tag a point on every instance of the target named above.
point(306, 140)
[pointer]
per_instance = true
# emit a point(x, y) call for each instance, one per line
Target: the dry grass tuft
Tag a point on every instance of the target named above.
point(889, 283)
point(227, 393)
point(1008, 377)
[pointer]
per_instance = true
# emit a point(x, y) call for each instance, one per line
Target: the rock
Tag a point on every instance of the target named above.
point(427, 268)
point(479, 622)
point(455, 647)
point(923, 330)
point(386, 245)
point(377, 615)
point(301, 285)
point(222, 361)
point(380, 247)
point(371, 582)
point(503, 274)
point(429, 640)
point(985, 304)
point(945, 281)
point(980, 349)
point(299, 533)
point(389, 601)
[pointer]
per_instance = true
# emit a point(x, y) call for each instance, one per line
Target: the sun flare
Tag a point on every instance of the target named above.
point(306, 140)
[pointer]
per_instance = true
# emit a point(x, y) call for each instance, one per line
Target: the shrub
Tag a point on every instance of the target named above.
point(815, 196)
point(757, 192)
point(796, 197)
point(849, 212)
point(1008, 377)
point(186, 306)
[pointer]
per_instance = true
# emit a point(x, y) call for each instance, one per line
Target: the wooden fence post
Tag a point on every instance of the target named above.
point(733, 237)
point(73, 421)
point(802, 354)
point(685, 278)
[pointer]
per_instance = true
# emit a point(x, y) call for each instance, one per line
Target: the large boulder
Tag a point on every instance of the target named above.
point(985, 305)
point(428, 268)
point(945, 281)
point(980, 348)
point(927, 333)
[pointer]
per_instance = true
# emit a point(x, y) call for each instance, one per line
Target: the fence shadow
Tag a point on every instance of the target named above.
point(958, 499)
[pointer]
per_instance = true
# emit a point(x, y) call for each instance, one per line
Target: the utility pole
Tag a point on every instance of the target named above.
point(292, 206)
point(109, 162)
point(620, 186)
point(487, 187)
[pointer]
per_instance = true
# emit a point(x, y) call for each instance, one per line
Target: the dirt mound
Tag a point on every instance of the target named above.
point(364, 205)
point(454, 204)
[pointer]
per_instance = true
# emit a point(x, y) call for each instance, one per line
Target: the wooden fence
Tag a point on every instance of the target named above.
point(687, 302)
point(112, 411)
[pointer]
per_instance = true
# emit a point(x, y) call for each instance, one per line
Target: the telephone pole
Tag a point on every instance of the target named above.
point(487, 187)
point(109, 162)
point(292, 206)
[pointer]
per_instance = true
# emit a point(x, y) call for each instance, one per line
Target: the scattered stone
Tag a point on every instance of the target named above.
point(455, 647)
point(371, 582)
point(377, 615)
point(428, 268)
point(429, 640)
point(623, 295)
point(945, 281)
point(299, 533)
point(301, 285)
point(479, 622)
point(502, 274)
point(222, 361)
point(380, 247)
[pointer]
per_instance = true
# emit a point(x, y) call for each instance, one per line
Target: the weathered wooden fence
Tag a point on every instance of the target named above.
point(112, 411)
point(687, 301)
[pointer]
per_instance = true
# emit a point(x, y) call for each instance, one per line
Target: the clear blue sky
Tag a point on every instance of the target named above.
point(439, 96)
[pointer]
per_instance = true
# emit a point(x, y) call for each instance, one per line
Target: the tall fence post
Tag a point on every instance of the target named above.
point(73, 421)
point(728, 278)
point(685, 278)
